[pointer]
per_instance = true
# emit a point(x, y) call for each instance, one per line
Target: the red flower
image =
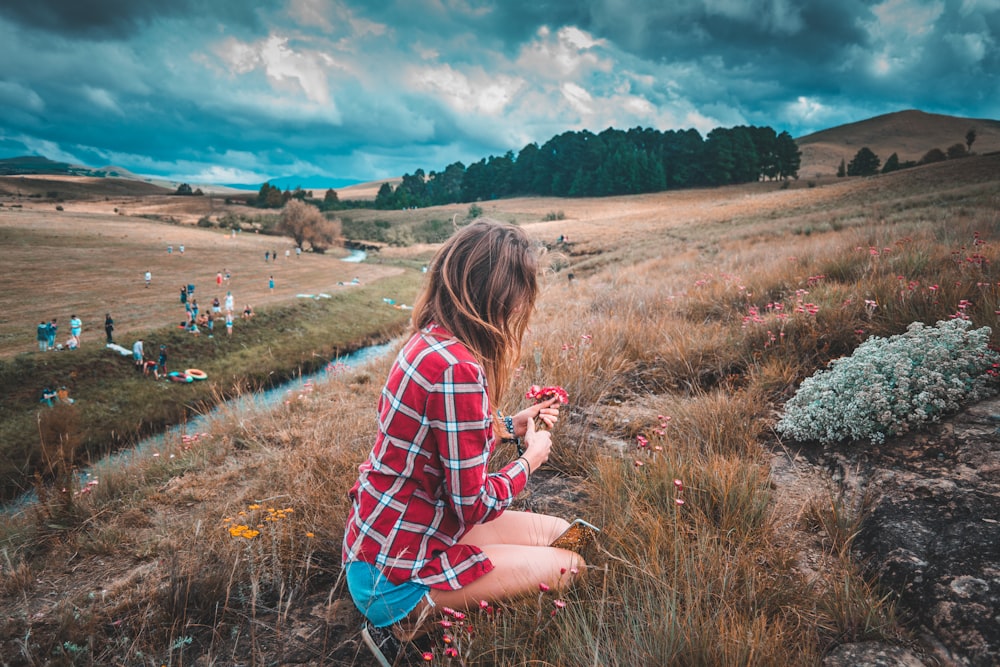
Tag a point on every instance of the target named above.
point(540, 394)
point(543, 587)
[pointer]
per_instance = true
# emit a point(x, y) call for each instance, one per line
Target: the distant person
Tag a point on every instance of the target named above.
point(109, 327)
point(72, 342)
point(170, 250)
point(137, 352)
point(42, 334)
point(248, 312)
point(75, 327)
point(184, 294)
point(51, 330)
point(181, 248)
point(229, 302)
point(161, 363)
point(63, 395)
point(229, 323)
point(211, 326)
point(149, 278)
point(218, 279)
point(216, 305)
point(194, 309)
point(267, 255)
point(190, 289)
point(149, 366)
point(48, 397)
point(227, 276)
point(270, 283)
point(288, 253)
point(298, 252)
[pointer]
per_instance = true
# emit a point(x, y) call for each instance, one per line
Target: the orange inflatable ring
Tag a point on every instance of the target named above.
point(196, 374)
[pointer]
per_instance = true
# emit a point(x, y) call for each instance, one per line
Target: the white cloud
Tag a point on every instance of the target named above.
point(15, 96)
point(101, 99)
point(212, 174)
point(571, 54)
point(49, 149)
point(577, 97)
point(972, 47)
point(475, 92)
point(281, 63)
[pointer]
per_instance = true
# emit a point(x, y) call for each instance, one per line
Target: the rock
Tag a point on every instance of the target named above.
point(932, 535)
point(872, 654)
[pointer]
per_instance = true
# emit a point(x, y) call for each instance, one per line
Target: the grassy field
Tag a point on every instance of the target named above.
point(677, 362)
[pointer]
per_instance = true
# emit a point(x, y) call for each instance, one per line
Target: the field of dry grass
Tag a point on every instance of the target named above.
point(667, 331)
point(89, 261)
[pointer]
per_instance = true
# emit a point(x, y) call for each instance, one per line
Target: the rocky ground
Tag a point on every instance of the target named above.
point(931, 533)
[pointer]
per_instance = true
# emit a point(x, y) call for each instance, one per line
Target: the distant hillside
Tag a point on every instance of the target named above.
point(910, 134)
point(36, 165)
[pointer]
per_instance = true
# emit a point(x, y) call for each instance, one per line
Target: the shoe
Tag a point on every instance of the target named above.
point(382, 643)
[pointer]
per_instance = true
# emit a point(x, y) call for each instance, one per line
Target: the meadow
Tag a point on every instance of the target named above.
point(679, 323)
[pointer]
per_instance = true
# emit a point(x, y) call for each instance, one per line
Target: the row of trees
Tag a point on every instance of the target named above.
point(867, 163)
point(614, 162)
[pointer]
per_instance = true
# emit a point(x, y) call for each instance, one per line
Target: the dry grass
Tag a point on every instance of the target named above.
point(665, 333)
point(90, 263)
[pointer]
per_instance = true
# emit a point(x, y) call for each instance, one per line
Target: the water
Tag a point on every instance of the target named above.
point(355, 256)
point(198, 425)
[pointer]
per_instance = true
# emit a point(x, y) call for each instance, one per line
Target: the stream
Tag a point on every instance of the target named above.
point(198, 425)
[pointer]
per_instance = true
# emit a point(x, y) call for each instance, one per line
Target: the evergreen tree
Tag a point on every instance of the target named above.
point(892, 164)
point(789, 156)
point(865, 163)
point(842, 169)
point(385, 198)
point(970, 137)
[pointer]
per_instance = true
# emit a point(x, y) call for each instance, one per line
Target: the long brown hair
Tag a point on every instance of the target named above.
point(481, 287)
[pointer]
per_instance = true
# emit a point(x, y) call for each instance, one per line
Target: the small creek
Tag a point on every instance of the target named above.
point(191, 430)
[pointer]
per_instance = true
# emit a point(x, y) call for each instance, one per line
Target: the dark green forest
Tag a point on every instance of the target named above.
point(614, 162)
point(584, 164)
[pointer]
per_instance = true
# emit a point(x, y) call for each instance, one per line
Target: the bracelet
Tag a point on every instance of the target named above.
point(508, 423)
point(526, 464)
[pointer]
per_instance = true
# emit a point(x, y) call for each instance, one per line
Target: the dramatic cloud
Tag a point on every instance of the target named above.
point(240, 91)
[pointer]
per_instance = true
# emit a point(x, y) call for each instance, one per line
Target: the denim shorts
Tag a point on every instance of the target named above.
point(381, 601)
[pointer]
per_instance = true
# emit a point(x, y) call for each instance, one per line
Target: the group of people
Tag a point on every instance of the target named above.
point(195, 318)
point(47, 332)
point(50, 397)
point(156, 368)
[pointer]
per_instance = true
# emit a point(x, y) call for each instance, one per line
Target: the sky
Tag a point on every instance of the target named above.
point(244, 91)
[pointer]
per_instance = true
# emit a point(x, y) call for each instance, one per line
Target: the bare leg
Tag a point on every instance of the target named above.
point(523, 528)
point(517, 545)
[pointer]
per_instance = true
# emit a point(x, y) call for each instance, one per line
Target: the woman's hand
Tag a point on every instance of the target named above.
point(546, 411)
point(537, 445)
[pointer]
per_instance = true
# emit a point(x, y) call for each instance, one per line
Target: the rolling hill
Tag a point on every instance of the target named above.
point(909, 134)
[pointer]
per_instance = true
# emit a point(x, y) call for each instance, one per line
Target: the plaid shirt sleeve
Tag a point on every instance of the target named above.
point(458, 413)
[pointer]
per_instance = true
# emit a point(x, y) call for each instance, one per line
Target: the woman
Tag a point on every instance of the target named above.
point(429, 526)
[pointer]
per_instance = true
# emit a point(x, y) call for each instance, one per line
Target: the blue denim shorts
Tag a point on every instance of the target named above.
point(381, 601)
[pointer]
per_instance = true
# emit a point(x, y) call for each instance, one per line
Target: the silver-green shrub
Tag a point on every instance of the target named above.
point(889, 385)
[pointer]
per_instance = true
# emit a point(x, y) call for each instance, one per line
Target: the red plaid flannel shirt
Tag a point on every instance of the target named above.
point(425, 483)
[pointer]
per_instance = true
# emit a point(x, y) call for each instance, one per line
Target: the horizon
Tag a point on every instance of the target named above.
point(324, 91)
